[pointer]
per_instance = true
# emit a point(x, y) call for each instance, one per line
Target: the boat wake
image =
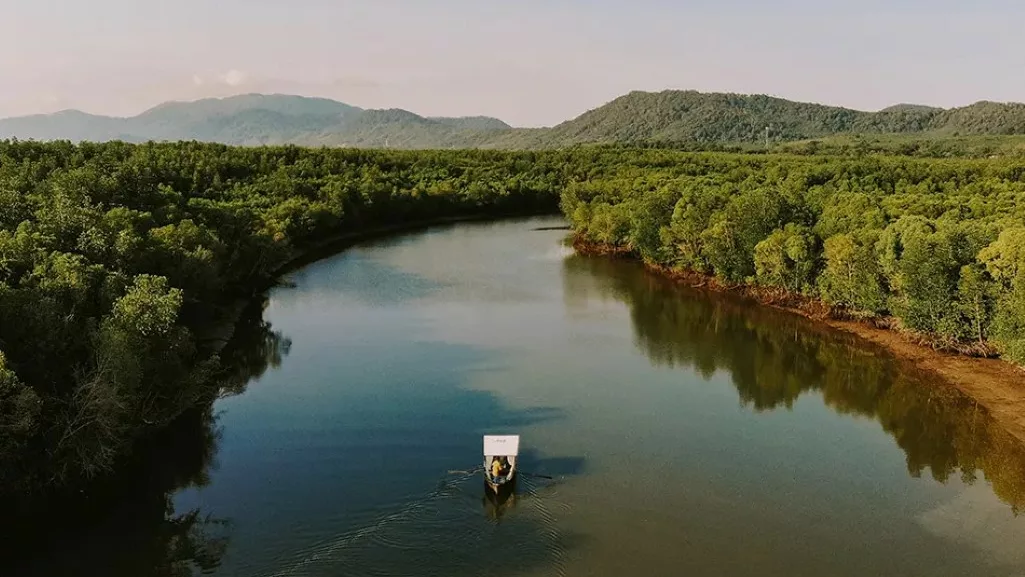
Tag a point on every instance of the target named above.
point(453, 530)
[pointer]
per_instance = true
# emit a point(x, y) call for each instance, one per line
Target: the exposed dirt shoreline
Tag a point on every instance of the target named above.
point(997, 385)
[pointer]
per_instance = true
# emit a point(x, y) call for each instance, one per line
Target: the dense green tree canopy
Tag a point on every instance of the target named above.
point(936, 243)
point(114, 257)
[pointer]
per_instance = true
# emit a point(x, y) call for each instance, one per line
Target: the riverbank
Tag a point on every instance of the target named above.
point(996, 385)
point(93, 498)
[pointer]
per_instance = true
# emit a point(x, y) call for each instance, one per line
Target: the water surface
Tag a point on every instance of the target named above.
point(687, 434)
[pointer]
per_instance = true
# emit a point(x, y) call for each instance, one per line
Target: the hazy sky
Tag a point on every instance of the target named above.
point(529, 62)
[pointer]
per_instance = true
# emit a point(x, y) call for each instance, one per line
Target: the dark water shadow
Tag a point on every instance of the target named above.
point(533, 461)
point(774, 357)
point(438, 527)
point(254, 349)
point(126, 524)
point(412, 397)
point(531, 416)
point(130, 526)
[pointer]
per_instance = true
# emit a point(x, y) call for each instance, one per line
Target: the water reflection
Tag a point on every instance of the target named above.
point(537, 478)
point(498, 504)
point(254, 349)
point(128, 526)
point(772, 358)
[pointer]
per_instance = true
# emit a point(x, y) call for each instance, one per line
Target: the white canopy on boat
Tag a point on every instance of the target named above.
point(501, 445)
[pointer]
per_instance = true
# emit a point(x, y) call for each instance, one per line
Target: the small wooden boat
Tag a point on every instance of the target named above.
point(496, 505)
point(500, 453)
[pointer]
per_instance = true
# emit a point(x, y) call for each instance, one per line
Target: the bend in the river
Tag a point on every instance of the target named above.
point(686, 434)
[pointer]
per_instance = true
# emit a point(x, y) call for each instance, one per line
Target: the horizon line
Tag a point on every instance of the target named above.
point(324, 98)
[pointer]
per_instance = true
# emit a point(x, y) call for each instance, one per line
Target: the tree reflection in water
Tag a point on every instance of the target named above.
point(127, 525)
point(773, 357)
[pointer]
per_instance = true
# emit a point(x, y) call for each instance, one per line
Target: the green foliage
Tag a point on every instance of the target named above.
point(730, 241)
point(851, 276)
point(19, 411)
point(976, 296)
point(847, 213)
point(1010, 321)
point(149, 308)
point(1005, 258)
point(651, 217)
point(787, 259)
point(929, 275)
point(938, 244)
point(610, 224)
point(114, 257)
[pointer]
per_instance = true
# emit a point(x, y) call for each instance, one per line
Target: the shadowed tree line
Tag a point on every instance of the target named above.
point(773, 358)
point(126, 524)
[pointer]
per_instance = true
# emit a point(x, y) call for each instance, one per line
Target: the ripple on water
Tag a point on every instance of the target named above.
point(450, 531)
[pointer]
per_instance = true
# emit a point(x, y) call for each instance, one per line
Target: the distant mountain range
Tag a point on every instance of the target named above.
point(672, 115)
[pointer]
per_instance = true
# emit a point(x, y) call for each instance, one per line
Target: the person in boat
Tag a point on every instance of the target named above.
point(499, 467)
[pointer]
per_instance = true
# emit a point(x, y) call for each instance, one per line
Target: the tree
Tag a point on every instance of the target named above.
point(928, 276)
point(1009, 324)
point(976, 295)
point(1004, 259)
point(851, 277)
point(610, 224)
point(652, 214)
point(150, 307)
point(20, 408)
point(787, 259)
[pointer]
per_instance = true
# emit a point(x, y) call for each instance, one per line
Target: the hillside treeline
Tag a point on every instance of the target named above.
point(690, 116)
point(682, 116)
point(937, 245)
point(113, 257)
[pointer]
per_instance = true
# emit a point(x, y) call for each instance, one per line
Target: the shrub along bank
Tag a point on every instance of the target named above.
point(936, 245)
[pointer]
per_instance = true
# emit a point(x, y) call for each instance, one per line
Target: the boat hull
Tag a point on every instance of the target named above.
point(501, 488)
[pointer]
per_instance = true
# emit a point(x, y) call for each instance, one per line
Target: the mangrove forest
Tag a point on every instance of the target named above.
point(116, 258)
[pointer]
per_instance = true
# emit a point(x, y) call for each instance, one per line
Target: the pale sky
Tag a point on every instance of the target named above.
point(528, 62)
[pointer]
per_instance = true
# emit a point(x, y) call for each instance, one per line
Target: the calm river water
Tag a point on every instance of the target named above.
point(687, 434)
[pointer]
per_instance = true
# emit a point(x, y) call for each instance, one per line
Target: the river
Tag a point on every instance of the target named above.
point(686, 434)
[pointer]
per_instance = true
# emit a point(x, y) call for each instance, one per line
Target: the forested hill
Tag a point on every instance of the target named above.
point(258, 119)
point(667, 116)
point(683, 116)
